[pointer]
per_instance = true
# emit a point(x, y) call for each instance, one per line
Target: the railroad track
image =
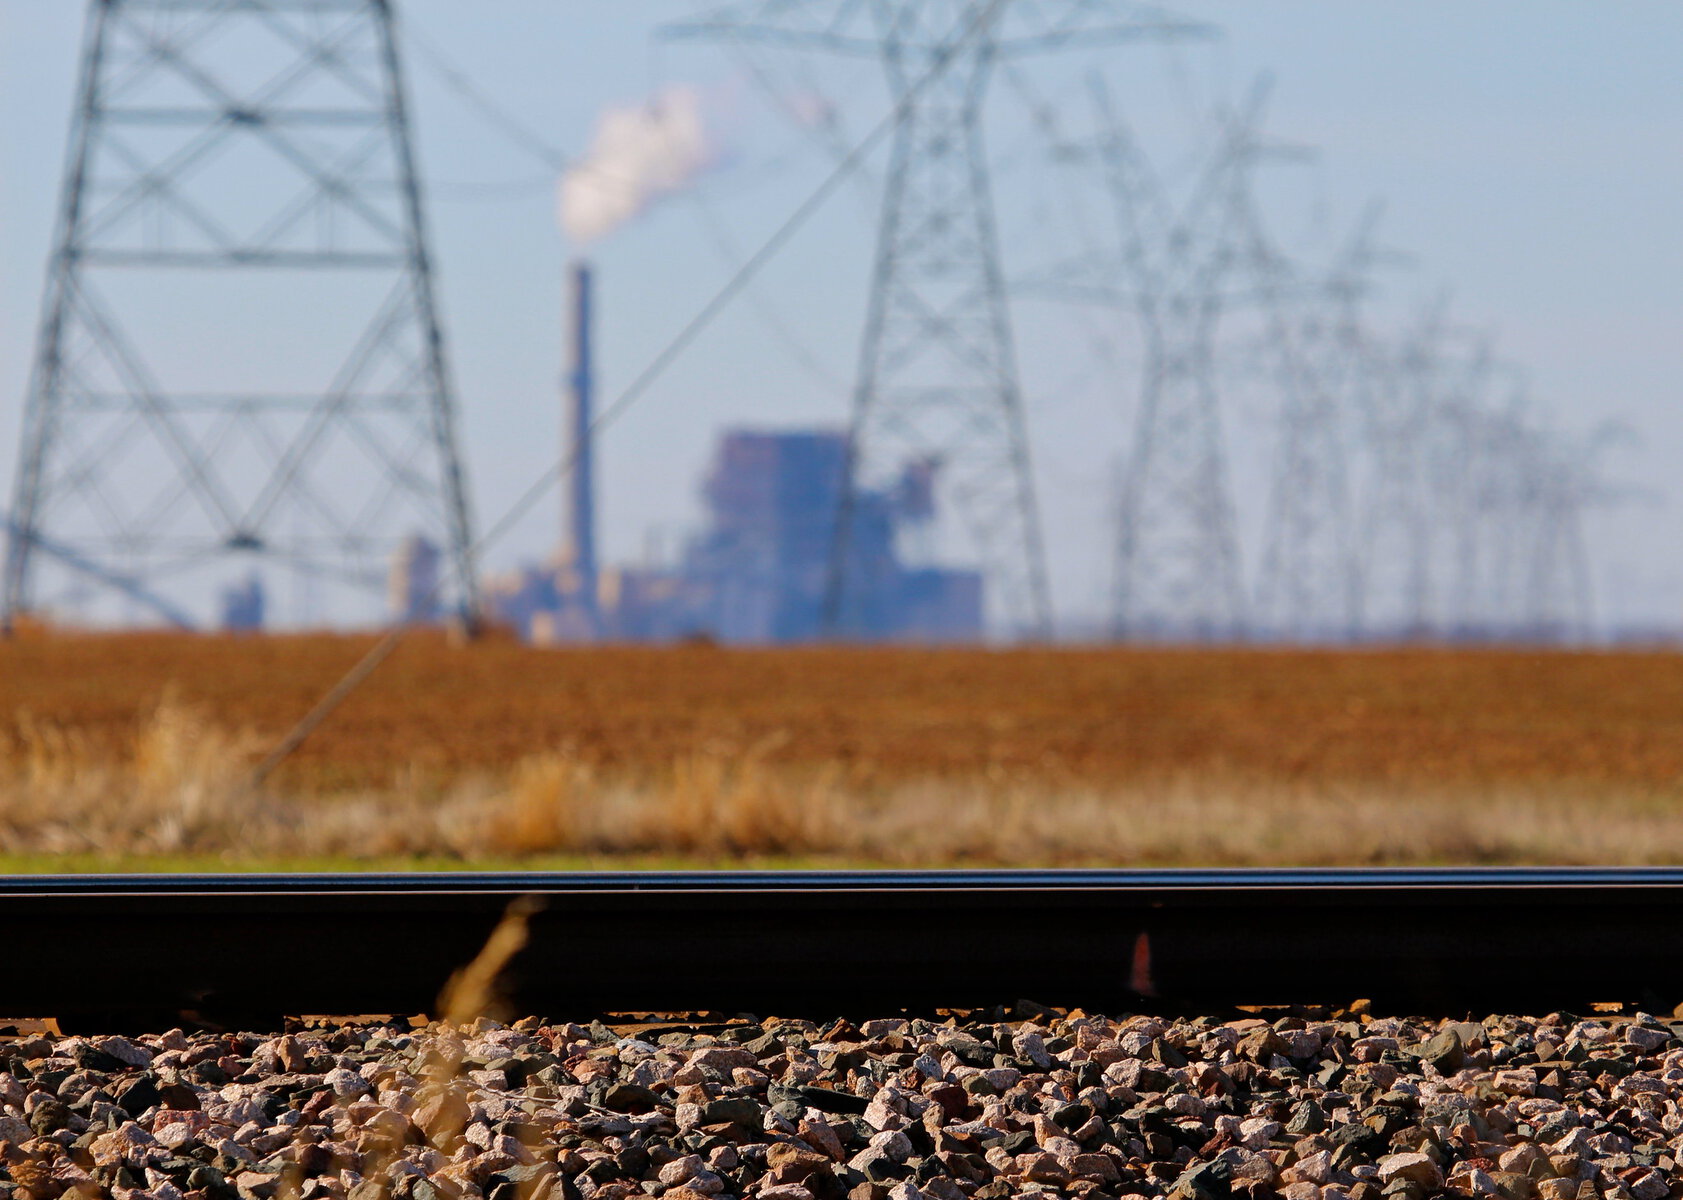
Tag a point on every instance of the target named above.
point(141, 951)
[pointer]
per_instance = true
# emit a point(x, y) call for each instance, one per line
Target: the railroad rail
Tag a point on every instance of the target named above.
point(228, 949)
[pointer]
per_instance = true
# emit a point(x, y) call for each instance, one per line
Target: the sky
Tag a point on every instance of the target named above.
point(1526, 152)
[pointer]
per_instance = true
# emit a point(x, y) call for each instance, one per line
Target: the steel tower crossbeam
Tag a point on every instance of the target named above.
point(262, 146)
point(858, 27)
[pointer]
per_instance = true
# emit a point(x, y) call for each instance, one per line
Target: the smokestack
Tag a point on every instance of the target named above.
point(581, 496)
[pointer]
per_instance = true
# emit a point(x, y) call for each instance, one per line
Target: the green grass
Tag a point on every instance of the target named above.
point(133, 864)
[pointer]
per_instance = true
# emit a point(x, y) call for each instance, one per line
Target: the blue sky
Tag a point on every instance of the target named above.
point(1527, 152)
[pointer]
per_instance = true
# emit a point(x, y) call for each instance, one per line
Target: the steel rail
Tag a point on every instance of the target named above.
point(249, 949)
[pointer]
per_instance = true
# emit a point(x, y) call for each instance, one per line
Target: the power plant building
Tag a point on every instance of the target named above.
point(759, 570)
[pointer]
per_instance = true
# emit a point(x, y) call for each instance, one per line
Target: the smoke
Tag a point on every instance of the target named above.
point(641, 153)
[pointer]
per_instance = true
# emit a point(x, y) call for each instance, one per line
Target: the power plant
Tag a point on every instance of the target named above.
point(759, 569)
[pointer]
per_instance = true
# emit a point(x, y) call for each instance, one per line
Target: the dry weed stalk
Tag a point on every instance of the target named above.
point(473, 991)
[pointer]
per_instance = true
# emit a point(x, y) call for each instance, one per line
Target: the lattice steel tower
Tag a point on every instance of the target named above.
point(1180, 271)
point(1309, 584)
point(937, 377)
point(240, 351)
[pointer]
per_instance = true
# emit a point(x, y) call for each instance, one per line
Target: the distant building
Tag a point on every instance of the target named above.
point(412, 586)
point(759, 570)
point(243, 606)
point(545, 604)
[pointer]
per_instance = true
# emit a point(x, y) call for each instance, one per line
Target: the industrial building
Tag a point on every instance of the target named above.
point(759, 569)
point(244, 606)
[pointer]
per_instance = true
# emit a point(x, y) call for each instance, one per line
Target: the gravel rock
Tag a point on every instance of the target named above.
point(1415, 1168)
point(1345, 1107)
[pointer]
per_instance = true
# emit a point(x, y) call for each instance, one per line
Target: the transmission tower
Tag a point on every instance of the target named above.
point(1419, 543)
point(238, 169)
point(937, 378)
point(1309, 586)
point(1181, 270)
point(1562, 481)
point(1396, 534)
point(1460, 487)
point(1499, 460)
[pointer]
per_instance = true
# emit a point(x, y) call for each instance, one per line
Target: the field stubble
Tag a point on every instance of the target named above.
point(141, 746)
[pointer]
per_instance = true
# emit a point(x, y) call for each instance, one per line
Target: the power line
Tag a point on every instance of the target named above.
point(495, 114)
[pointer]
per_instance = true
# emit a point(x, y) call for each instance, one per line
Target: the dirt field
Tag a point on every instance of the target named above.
point(859, 755)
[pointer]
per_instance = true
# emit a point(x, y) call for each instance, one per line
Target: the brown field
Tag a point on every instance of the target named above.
point(141, 745)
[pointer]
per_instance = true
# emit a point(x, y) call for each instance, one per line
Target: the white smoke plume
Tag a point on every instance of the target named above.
point(640, 154)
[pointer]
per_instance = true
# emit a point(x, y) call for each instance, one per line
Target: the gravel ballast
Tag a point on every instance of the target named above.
point(1348, 1107)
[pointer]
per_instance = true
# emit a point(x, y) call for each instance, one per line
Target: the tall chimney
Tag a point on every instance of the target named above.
point(581, 495)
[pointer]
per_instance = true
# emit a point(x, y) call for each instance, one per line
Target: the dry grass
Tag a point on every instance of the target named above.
point(185, 791)
point(895, 757)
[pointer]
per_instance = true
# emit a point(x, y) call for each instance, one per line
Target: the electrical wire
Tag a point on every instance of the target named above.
point(499, 117)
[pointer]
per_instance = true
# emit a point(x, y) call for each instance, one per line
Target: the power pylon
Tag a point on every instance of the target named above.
point(1460, 486)
point(937, 379)
point(1182, 268)
point(236, 165)
point(1562, 480)
point(1419, 529)
point(1309, 587)
point(1491, 546)
point(1396, 533)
